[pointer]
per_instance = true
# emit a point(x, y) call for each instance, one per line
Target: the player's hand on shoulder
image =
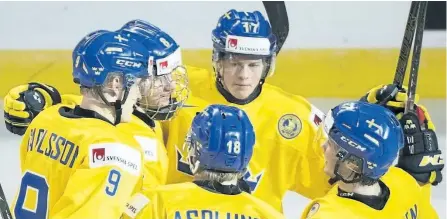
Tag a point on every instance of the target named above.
point(421, 156)
point(24, 102)
point(390, 96)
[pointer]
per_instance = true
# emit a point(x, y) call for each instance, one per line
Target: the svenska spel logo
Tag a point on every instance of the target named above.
point(99, 154)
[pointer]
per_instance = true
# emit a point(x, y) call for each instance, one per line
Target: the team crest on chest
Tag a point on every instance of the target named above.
point(289, 126)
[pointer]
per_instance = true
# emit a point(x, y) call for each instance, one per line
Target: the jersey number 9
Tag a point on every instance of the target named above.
point(32, 201)
point(113, 181)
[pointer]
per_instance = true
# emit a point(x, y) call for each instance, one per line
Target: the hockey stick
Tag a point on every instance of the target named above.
point(412, 82)
point(4, 207)
point(404, 54)
point(277, 14)
point(406, 45)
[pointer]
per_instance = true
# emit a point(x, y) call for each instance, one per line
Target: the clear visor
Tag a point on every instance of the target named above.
point(348, 166)
point(116, 83)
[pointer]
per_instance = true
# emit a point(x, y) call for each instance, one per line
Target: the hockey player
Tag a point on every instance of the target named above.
point(287, 132)
point(286, 157)
point(220, 145)
point(244, 46)
point(165, 93)
point(75, 163)
point(363, 141)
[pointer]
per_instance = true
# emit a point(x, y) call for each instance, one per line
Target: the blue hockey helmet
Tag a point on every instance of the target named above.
point(244, 33)
point(76, 58)
point(221, 139)
point(167, 68)
point(367, 138)
point(104, 52)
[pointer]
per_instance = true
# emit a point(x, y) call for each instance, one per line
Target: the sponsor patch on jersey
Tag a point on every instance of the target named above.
point(115, 154)
point(313, 210)
point(316, 116)
point(136, 203)
point(149, 146)
point(289, 126)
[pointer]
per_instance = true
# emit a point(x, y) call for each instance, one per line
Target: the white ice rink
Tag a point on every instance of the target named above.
point(293, 203)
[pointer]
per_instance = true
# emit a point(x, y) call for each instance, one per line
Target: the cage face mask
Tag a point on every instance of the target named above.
point(167, 90)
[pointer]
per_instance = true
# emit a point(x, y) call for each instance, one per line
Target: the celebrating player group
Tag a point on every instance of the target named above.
point(152, 138)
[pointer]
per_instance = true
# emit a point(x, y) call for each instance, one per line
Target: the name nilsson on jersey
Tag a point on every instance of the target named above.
point(57, 148)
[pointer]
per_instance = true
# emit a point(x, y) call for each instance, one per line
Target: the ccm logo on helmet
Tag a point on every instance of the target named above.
point(126, 63)
point(352, 144)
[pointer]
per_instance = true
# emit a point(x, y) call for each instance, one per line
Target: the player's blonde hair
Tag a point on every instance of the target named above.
point(216, 176)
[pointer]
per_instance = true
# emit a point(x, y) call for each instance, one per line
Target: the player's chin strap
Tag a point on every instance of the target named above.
point(357, 176)
point(117, 104)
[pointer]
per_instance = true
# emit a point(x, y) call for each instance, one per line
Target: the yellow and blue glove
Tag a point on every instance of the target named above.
point(24, 102)
point(420, 156)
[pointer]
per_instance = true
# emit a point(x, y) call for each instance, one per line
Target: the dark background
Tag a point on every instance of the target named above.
point(436, 15)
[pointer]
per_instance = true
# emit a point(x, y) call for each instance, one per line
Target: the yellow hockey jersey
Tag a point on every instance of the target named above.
point(285, 157)
point(76, 167)
point(187, 200)
point(405, 201)
point(150, 138)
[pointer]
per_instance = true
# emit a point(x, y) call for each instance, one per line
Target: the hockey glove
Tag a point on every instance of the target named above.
point(389, 96)
point(23, 103)
point(420, 156)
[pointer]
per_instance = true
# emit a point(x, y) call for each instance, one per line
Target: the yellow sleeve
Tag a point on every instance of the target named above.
point(155, 170)
point(71, 99)
point(310, 179)
point(426, 210)
point(100, 188)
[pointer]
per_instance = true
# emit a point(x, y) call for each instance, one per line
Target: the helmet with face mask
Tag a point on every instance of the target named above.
point(167, 90)
point(243, 34)
point(366, 139)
